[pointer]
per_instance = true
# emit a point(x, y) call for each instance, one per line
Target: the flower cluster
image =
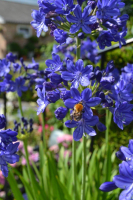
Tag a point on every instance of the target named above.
point(88, 50)
point(8, 148)
point(66, 19)
point(84, 91)
point(125, 178)
point(18, 77)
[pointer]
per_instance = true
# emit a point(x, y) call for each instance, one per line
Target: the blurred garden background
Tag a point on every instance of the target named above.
point(53, 170)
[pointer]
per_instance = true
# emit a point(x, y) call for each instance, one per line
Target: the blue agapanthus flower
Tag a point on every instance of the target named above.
point(34, 65)
point(60, 36)
point(104, 39)
point(84, 126)
point(42, 101)
point(126, 153)
point(108, 8)
point(39, 22)
point(123, 114)
point(122, 92)
point(85, 99)
point(81, 20)
point(20, 85)
point(123, 181)
point(60, 113)
point(55, 64)
point(4, 67)
point(77, 74)
point(11, 57)
point(8, 155)
point(64, 7)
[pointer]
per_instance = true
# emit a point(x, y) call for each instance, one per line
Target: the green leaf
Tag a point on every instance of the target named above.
point(14, 186)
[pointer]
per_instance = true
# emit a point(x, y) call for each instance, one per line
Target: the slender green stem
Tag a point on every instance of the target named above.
point(20, 106)
point(108, 122)
point(78, 48)
point(74, 169)
point(43, 132)
point(83, 169)
point(29, 168)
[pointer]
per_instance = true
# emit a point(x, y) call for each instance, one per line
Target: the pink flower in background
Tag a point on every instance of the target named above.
point(2, 179)
point(54, 148)
point(65, 138)
point(23, 161)
point(2, 194)
point(34, 157)
point(67, 152)
point(40, 129)
point(46, 126)
point(51, 128)
point(20, 145)
point(14, 165)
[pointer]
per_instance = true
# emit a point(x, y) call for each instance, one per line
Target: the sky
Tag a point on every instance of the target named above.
point(34, 2)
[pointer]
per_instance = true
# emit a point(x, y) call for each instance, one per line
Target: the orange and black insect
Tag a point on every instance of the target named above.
point(77, 112)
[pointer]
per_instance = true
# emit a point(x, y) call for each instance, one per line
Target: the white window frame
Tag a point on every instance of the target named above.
point(27, 27)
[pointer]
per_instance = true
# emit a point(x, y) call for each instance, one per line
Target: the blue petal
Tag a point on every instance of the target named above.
point(78, 133)
point(11, 158)
point(125, 170)
point(92, 121)
point(78, 12)
point(88, 111)
point(72, 19)
point(79, 65)
point(127, 194)
point(122, 181)
point(68, 76)
point(101, 127)
point(86, 28)
point(4, 170)
point(86, 94)
point(75, 84)
point(84, 81)
point(108, 186)
point(94, 101)
point(75, 94)
point(71, 124)
point(130, 146)
point(75, 28)
point(70, 66)
point(70, 103)
point(12, 148)
point(90, 131)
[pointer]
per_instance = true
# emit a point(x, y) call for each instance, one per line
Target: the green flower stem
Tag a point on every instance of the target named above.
point(29, 169)
point(108, 123)
point(74, 169)
point(83, 169)
point(78, 48)
point(20, 106)
point(43, 132)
